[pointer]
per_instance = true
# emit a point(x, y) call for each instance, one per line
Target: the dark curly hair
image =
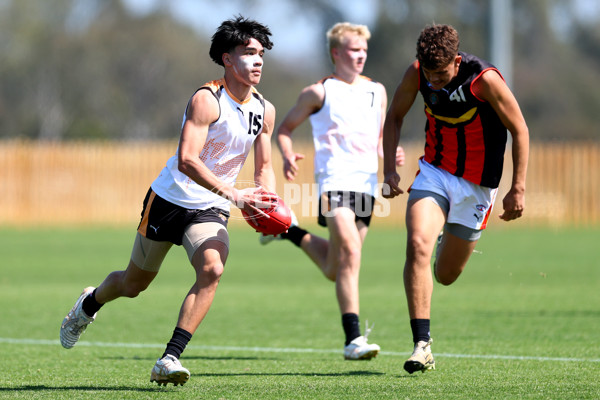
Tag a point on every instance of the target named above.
point(237, 31)
point(437, 46)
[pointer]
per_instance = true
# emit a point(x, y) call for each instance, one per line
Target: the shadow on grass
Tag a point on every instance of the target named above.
point(237, 358)
point(348, 373)
point(45, 388)
point(209, 358)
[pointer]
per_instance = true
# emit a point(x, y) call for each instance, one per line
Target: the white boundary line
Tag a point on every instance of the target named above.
point(44, 342)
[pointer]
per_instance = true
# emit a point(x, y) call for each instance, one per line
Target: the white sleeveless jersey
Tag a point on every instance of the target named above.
point(227, 145)
point(346, 133)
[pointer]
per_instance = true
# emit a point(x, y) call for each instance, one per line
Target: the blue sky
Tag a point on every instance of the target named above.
point(297, 35)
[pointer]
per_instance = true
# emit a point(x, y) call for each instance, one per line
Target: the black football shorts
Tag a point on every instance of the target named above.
point(164, 221)
point(361, 204)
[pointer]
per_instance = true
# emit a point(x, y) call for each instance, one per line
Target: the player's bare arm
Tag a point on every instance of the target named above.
point(403, 100)
point(399, 149)
point(492, 88)
point(203, 109)
point(310, 100)
point(263, 166)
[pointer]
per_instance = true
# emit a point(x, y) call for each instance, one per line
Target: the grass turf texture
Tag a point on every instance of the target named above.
point(521, 322)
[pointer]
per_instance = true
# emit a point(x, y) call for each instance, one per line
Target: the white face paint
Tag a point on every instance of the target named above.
point(249, 63)
point(246, 62)
point(254, 61)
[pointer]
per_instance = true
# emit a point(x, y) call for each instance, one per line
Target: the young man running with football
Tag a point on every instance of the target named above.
point(469, 108)
point(188, 204)
point(346, 111)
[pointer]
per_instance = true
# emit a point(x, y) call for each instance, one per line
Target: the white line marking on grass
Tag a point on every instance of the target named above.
point(44, 342)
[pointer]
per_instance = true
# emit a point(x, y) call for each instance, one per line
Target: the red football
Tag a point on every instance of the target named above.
point(278, 216)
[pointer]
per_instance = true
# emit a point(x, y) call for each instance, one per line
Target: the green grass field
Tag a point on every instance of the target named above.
point(523, 322)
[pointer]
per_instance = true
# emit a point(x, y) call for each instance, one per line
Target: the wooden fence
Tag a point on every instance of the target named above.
point(59, 184)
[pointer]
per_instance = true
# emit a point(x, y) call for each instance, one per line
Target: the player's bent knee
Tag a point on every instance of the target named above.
point(445, 277)
point(132, 290)
point(444, 280)
point(329, 271)
point(212, 271)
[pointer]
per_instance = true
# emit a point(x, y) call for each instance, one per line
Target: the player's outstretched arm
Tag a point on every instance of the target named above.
point(399, 149)
point(404, 97)
point(263, 165)
point(492, 88)
point(309, 101)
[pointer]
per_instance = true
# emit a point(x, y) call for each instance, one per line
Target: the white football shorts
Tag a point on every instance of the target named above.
point(469, 205)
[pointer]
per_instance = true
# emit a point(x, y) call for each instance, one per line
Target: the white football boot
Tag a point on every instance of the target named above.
point(169, 370)
point(266, 239)
point(421, 358)
point(75, 322)
point(359, 349)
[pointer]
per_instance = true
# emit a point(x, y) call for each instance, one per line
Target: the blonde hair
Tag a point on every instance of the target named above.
point(335, 35)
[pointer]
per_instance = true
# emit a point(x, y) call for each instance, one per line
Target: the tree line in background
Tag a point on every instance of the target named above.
point(127, 77)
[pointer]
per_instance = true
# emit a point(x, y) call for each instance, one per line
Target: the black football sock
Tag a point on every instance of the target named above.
point(178, 342)
point(351, 327)
point(420, 330)
point(89, 305)
point(294, 234)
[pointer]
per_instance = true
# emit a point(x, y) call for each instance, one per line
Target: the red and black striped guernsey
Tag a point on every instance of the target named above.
point(464, 135)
